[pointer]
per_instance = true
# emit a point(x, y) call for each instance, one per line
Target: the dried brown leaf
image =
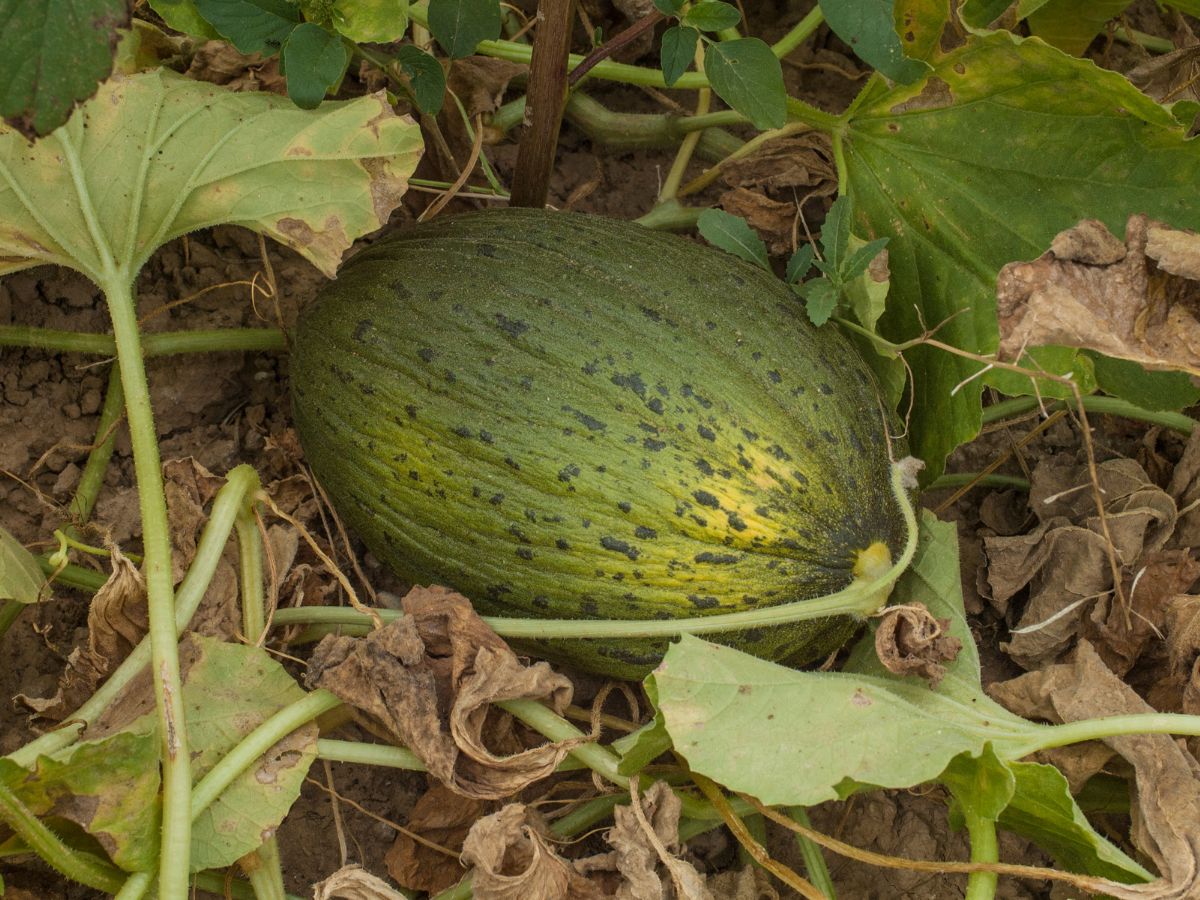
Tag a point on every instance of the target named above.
point(355, 883)
point(220, 63)
point(440, 816)
point(910, 641)
point(1141, 307)
point(1167, 790)
point(479, 82)
point(188, 487)
point(1185, 489)
point(514, 861)
point(647, 871)
point(802, 161)
point(1064, 561)
point(772, 219)
point(429, 680)
point(117, 620)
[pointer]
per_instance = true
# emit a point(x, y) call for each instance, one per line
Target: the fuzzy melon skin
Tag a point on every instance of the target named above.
point(564, 416)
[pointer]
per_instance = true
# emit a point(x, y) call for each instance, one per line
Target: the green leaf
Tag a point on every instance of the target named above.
point(109, 787)
point(731, 234)
point(977, 15)
point(746, 75)
point(230, 691)
point(640, 748)
point(1062, 361)
point(1043, 810)
point(53, 54)
point(1150, 390)
point(867, 296)
point(459, 25)
point(253, 26)
point(820, 299)
point(1070, 25)
point(21, 578)
point(800, 263)
point(183, 16)
point(712, 15)
point(919, 24)
point(678, 51)
point(371, 21)
point(983, 784)
point(860, 257)
point(426, 78)
point(314, 60)
point(835, 235)
point(947, 169)
point(868, 26)
point(155, 156)
point(826, 730)
point(669, 7)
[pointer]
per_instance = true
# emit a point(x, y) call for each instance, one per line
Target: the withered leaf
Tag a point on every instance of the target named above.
point(117, 620)
point(429, 680)
point(1064, 561)
point(1141, 306)
point(636, 860)
point(479, 82)
point(440, 816)
point(355, 883)
point(514, 861)
point(910, 641)
point(1167, 784)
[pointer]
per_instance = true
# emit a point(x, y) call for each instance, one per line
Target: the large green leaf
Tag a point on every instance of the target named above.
point(371, 21)
point(1005, 144)
point(53, 53)
point(21, 578)
point(155, 156)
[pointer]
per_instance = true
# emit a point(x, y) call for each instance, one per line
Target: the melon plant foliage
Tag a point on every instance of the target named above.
point(968, 149)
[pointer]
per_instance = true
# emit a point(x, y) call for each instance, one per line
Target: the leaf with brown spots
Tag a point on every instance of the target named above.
point(429, 680)
point(192, 155)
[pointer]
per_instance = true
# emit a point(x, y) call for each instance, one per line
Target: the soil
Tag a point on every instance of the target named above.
point(228, 409)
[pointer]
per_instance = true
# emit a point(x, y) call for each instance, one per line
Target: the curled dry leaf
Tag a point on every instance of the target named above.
point(117, 619)
point(440, 816)
point(766, 186)
point(355, 883)
point(1064, 561)
point(429, 680)
point(1135, 301)
point(220, 63)
point(514, 861)
point(910, 641)
point(1167, 794)
point(638, 855)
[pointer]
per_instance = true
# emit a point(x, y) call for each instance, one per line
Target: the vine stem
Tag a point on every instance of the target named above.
point(985, 848)
point(166, 343)
point(175, 849)
point(1111, 726)
point(241, 484)
point(862, 597)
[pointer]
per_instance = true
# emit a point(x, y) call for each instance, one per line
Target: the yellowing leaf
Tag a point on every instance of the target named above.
point(155, 155)
point(20, 577)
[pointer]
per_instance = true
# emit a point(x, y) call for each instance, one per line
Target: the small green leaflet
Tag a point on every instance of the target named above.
point(183, 16)
point(712, 15)
point(731, 234)
point(21, 578)
point(426, 78)
point(253, 26)
point(1149, 390)
point(668, 7)
point(371, 21)
point(820, 299)
point(678, 51)
point(800, 263)
point(314, 60)
point(746, 75)
point(459, 25)
point(53, 54)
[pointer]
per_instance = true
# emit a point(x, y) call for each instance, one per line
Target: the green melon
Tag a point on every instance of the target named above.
point(564, 416)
